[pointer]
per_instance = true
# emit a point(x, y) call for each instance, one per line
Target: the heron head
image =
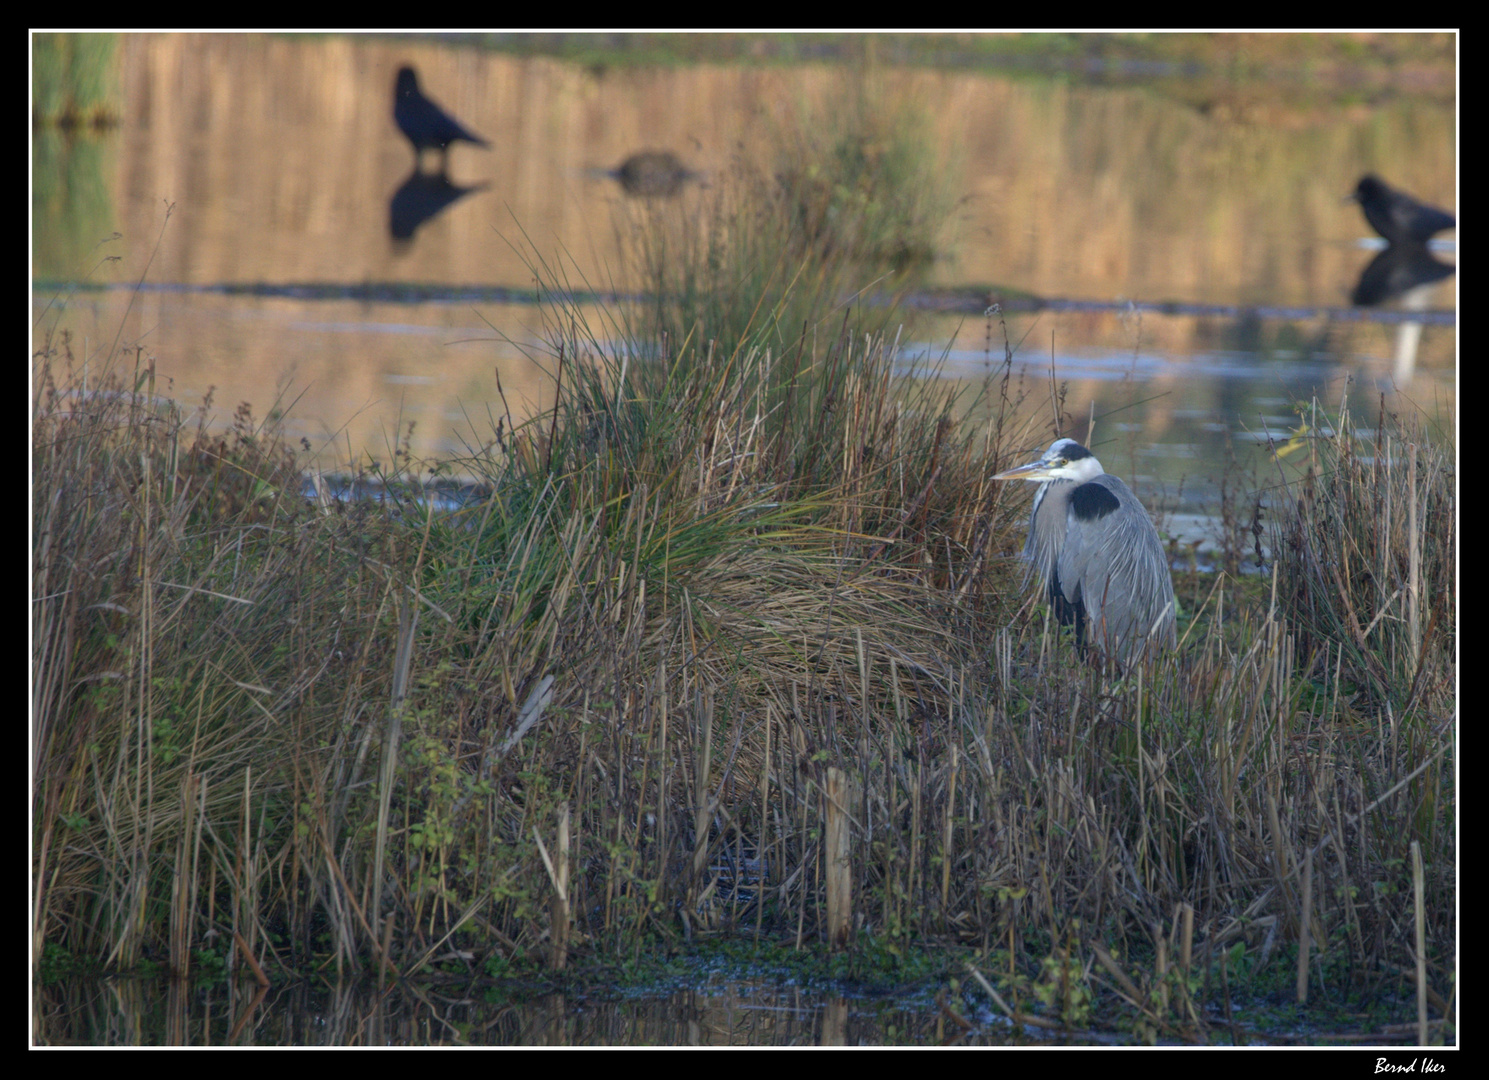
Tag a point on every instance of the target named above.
point(1066, 459)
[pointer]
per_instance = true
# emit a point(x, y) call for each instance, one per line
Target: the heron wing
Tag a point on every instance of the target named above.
point(1113, 565)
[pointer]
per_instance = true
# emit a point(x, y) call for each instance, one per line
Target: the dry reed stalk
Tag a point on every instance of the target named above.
point(346, 945)
point(664, 839)
point(1160, 970)
point(248, 957)
point(183, 881)
point(385, 950)
point(1305, 925)
point(558, 876)
point(1414, 561)
point(912, 865)
point(1013, 1014)
point(946, 854)
point(1186, 954)
point(837, 859)
point(702, 781)
point(243, 906)
point(408, 621)
point(763, 838)
point(1420, 925)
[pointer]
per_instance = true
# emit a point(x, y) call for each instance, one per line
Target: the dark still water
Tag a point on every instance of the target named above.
point(711, 1012)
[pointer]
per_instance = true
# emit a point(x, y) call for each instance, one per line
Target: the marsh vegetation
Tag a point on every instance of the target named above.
point(745, 558)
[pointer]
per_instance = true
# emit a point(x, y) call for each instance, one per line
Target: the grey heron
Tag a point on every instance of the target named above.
point(423, 122)
point(1094, 547)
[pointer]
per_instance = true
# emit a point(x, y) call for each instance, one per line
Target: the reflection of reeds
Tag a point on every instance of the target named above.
point(700, 585)
point(862, 182)
point(73, 79)
point(849, 200)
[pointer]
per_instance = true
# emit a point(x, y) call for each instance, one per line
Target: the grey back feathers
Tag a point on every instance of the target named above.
point(1095, 549)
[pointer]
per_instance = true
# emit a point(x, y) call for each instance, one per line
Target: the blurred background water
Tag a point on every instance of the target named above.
point(1162, 219)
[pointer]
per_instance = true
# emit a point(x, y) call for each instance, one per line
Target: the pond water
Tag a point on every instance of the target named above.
point(711, 1011)
point(276, 280)
point(706, 1007)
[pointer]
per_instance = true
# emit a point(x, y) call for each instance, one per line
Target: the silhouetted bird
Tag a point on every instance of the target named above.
point(1407, 225)
point(425, 124)
point(652, 174)
point(1396, 215)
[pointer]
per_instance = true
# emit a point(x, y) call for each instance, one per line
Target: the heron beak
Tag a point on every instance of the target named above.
point(1035, 470)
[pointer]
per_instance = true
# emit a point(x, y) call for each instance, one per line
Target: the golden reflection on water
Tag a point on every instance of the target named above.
point(279, 156)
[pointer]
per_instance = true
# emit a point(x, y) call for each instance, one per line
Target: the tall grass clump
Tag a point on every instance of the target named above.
point(1369, 554)
point(859, 181)
point(680, 565)
point(196, 630)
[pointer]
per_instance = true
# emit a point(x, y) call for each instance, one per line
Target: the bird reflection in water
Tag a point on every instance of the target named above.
point(1406, 270)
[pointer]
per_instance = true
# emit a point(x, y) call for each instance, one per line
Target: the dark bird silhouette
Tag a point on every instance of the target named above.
point(1396, 215)
point(1406, 263)
point(424, 123)
point(652, 174)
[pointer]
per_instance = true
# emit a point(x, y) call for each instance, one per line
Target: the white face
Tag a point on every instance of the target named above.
point(1057, 464)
